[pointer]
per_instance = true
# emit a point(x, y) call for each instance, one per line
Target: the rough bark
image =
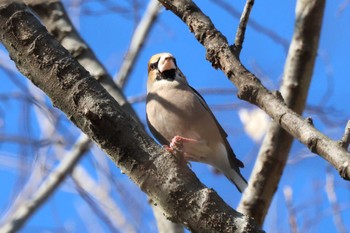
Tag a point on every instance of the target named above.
point(222, 56)
point(298, 71)
point(167, 181)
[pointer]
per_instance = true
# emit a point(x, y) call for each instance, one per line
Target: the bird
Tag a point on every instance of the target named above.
point(178, 116)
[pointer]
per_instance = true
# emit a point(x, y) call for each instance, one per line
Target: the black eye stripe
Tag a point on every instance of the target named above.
point(153, 66)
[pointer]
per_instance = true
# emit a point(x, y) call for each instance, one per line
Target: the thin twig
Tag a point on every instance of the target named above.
point(141, 32)
point(345, 141)
point(297, 76)
point(254, 24)
point(48, 186)
point(332, 198)
point(288, 196)
point(242, 26)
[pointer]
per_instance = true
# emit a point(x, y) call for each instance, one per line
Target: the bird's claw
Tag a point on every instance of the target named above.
point(176, 147)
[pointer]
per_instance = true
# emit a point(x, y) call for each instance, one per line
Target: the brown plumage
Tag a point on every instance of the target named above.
point(177, 112)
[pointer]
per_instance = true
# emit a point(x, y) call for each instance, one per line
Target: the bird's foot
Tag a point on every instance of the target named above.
point(177, 141)
point(176, 148)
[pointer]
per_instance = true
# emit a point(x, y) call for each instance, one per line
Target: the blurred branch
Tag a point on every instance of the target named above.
point(164, 225)
point(50, 67)
point(48, 186)
point(250, 89)
point(343, 6)
point(141, 33)
point(254, 24)
point(242, 26)
point(57, 22)
point(107, 207)
point(288, 197)
point(332, 198)
point(344, 142)
point(298, 71)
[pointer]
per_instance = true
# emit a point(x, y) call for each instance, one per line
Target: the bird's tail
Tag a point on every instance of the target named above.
point(236, 178)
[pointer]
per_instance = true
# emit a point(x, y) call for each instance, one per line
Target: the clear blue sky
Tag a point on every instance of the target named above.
point(109, 36)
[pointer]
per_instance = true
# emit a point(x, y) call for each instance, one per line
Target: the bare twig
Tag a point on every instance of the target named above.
point(288, 196)
point(48, 186)
point(254, 24)
point(56, 20)
point(345, 141)
point(109, 208)
point(141, 32)
point(175, 188)
point(242, 26)
point(298, 71)
point(332, 198)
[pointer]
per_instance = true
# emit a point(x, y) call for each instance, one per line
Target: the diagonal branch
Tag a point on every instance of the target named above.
point(298, 71)
point(47, 187)
point(161, 176)
point(137, 41)
point(56, 20)
point(219, 53)
point(242, 26)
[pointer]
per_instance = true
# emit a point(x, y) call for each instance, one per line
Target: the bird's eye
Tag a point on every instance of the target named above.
point(175, 62)
point(153, 66)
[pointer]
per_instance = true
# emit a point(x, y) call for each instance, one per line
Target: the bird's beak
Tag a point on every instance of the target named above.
point(166, 63)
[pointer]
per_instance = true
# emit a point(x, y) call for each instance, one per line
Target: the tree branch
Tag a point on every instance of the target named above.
point(47, 187)
point(242, 26)
point(137, 41)
point(298, 71)
point(57, 22)
point(250, 88)
point(159, 174)
point(345, 141)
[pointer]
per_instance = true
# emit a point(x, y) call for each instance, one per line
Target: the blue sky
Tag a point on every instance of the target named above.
point(109, 36)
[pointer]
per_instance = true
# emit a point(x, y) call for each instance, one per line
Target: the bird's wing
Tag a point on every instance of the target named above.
point(234, 162)
point(156, 134)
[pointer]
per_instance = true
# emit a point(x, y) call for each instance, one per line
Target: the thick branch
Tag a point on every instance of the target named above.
point(250, 88)
point(55, 18)
point(298, 71)
point(345, 140)
point(161, 176)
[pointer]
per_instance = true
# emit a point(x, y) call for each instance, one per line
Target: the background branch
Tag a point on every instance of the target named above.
point(219, 53)
point(141, 32)
point(89, 106)
point(296, 80)
point(242, 26)
point(58, 23)
point(48, 186)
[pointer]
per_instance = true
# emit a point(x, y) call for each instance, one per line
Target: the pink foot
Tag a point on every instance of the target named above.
point(177, 141)
point(176, 147)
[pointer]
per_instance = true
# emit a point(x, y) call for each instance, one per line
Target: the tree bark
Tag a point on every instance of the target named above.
point(222, 56)
point(167, 181)
point(298, 71)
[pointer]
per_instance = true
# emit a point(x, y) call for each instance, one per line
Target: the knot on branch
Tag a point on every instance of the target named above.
point(344, 170)
point(312, 144)
point(212, 57)
point(278, 95)
point(248, 92)
point(309, 121)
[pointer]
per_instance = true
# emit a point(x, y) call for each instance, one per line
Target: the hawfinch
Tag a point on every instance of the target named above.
point(178, 115)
